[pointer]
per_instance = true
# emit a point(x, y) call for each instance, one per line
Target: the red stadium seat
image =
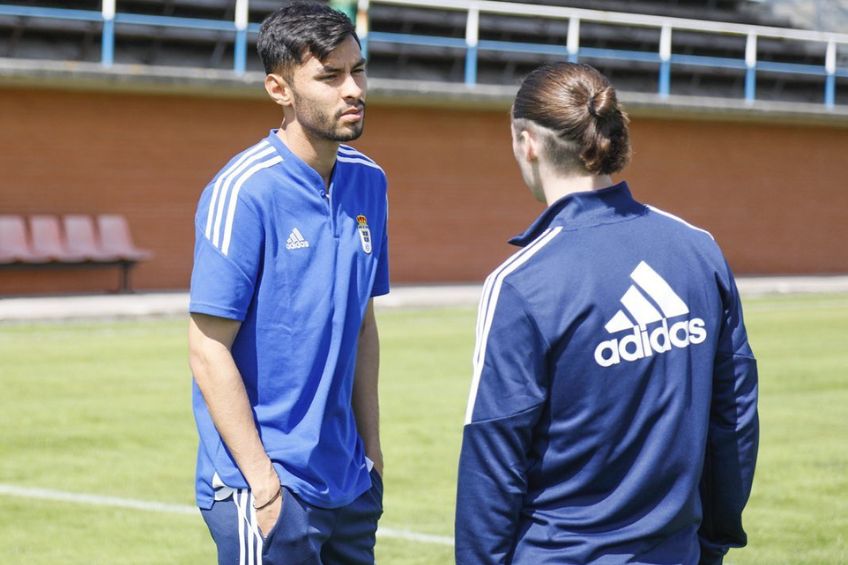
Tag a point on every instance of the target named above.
point(80, 239)
point(82, 246)
point(115, 238)
point(47, 239)
point(14, 246)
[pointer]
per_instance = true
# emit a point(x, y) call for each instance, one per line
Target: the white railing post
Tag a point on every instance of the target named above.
point(751, 68)
point(573, 45)
point(240, 46)
point(472, 37)
point(362, 25)
point(665, 61)
point(830, 80)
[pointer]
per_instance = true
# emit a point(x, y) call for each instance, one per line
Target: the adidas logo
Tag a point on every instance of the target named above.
point(296, 240)
point(660, 304)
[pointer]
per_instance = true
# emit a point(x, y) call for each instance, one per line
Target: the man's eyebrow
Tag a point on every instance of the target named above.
point(331, 69)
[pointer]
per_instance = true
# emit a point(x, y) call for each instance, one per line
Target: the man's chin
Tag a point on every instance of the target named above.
point(349, 134)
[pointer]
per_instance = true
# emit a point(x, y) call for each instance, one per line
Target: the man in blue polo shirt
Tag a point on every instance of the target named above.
point(290, 249)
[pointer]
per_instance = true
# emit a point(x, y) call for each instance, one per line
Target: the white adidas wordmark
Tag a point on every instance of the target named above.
point(296, 240)
point(660, 304)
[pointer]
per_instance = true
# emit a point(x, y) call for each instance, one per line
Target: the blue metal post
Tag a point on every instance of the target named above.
point(751, 84)
point(471, 65)
point(830, 91)
point(240, 52)
point(107, 51)
point(665, 79)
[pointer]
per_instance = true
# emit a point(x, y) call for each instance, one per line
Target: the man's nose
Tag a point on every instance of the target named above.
point(351, 88)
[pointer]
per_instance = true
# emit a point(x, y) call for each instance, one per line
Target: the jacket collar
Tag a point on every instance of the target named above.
point(585, 209)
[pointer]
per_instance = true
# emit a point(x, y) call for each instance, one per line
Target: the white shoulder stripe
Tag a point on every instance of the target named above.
point(487, 291)
point(681, 220)
point(224, 176)
point(360, 161)
point(226, 188)
point(231, 212)
point(489, 302)
point(352, 152)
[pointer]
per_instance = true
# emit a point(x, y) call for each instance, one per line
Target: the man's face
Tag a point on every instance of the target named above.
point(329, 97)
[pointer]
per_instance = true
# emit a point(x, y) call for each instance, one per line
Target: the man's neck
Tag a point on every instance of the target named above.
point(318, 154)
point(557, 187)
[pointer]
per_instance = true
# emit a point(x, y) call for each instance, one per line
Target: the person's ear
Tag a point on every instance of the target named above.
point(279, 89)
point(528, 144)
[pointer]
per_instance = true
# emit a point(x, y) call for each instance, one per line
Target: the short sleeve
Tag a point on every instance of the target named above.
point(381, 279)
point(227, 257)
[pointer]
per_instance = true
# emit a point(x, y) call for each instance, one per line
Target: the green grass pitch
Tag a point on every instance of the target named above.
point(104, 409)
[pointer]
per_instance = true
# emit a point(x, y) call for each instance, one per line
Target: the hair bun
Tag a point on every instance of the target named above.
point(580, 106)
point(601, 103)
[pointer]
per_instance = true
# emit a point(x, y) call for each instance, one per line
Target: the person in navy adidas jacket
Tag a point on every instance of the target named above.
point(613, 409)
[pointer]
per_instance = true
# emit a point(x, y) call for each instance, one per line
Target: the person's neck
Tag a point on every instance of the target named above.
point(320, 154)
point(557, 187)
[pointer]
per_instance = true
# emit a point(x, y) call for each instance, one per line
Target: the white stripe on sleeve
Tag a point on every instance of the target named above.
point(351, 152)
point(490, 305)
point(226, 189)
point(228, 230)
point(359, 161)
point(681, 220)
point(224, 176)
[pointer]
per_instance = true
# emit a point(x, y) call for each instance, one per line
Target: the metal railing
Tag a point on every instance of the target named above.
point(108, 16)
point(570, 49)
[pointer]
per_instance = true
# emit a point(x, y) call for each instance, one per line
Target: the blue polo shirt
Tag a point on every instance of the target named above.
point(296, 264)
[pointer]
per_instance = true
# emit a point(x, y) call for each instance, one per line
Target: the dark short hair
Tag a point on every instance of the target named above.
point(581, 107)
point(291, 33)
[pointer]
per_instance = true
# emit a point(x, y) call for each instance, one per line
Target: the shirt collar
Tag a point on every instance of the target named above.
point(583, 209)
point(295, 163)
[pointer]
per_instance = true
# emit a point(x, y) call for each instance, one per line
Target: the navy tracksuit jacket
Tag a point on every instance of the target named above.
point(613, 410)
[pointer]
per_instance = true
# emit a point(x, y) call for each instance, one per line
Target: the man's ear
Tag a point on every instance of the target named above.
point(279, 89)
point(528, 142)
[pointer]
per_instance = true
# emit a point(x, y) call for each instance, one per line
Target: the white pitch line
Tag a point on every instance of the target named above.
point(95, 500)
point(413, 536)
point(148, 506)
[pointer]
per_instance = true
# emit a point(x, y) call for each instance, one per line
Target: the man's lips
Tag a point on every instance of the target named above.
point(353, 114)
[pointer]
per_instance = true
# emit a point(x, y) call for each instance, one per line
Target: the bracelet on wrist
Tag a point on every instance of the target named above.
point(269, 502)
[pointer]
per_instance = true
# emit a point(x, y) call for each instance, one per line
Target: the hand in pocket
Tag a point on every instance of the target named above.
point(267, 517)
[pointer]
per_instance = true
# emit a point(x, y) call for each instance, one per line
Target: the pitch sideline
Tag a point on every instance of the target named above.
point(130, 504)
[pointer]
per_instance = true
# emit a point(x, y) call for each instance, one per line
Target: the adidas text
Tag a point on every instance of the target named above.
point(297, 245)
point(644, 343)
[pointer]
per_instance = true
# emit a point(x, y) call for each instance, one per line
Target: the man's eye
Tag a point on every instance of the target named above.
point(359, 70)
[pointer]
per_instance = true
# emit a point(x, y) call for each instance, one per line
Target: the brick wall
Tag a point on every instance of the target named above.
point(772, 194)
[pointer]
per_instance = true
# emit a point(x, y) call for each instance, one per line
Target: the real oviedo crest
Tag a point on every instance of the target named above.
point(364, 233)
